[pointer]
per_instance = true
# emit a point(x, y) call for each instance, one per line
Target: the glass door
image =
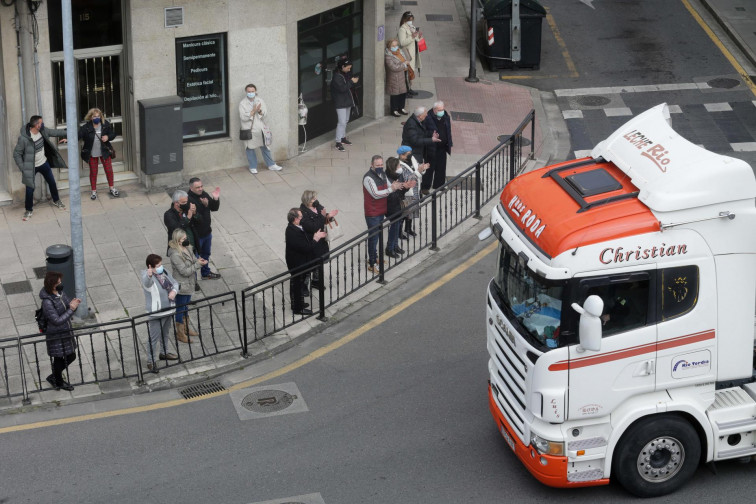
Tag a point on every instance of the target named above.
point(323, 40)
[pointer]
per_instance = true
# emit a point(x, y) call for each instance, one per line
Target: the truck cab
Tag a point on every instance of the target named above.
point(620, 318)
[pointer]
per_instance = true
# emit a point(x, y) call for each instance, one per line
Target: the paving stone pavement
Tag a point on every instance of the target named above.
point(248, 230)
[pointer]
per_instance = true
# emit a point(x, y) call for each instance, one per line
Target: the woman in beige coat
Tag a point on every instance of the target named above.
point(396, 77)
point(184, 266)
point(252, 113)
point(408, 36)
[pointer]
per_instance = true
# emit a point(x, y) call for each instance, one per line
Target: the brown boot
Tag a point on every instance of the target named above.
point(181, 333)
point(189, 330)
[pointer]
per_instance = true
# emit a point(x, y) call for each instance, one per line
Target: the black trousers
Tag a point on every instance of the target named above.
point(435, 176)
point(397, 102)
point(61, 363)
point(296, 284)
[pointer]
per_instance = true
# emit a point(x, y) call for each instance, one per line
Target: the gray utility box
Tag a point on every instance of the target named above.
point(161, 139)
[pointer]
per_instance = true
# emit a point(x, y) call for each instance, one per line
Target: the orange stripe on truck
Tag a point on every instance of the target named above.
point(633, 351)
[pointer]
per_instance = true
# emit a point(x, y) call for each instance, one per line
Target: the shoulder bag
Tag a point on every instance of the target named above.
point(107, 147)
point(245, 134)
point(334, 230)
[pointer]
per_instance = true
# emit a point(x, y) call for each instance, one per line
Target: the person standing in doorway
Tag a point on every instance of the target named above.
point(34, 153)
point(341, 92)
point(204, 203)
point(96, 133)
point(253, 112)
point(438, 122)
point(408, 36)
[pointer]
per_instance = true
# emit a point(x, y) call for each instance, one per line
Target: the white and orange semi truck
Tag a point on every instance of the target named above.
point(620, 321)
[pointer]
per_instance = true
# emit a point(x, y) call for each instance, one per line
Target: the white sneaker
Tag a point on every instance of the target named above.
point(253, 171)
point(275, 167)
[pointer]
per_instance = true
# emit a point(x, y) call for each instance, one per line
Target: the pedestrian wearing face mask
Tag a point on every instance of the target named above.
point(160, 291)
point(182, 215)
point(253, 113)
point(408, 36)
point(438, 122)
point(184, 266)
point(97, 134)
point(397, 78)
point(61, 344)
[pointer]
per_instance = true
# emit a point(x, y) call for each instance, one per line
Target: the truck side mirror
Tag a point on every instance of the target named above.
point(589, 330)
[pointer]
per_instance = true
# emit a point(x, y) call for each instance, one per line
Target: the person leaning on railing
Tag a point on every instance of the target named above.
point(160, 291)
point(61, 345)
point(185, 266)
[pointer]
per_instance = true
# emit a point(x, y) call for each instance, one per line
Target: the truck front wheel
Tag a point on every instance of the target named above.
point(656, 456)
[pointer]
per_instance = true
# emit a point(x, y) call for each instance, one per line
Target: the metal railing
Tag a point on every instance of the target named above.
point(118, 350)
point(266, 306)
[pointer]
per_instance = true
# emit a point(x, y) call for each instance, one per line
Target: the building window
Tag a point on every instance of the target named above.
point(202, 83)
point(95, 23)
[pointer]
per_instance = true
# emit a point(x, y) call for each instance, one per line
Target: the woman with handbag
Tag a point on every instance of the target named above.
point(253, 130)
point(61, 344)
point(341, 93)
point(394, 207)
point(315, 218)
point(97, 134)
point(397, 77)
point(408, 36)
point(411, 170)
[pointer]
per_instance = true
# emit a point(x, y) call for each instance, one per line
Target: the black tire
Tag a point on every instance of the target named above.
point(657, 455)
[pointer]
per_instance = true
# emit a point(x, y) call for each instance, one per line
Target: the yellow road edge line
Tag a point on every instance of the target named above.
point(727, 54)
point(558, 36)
point(320, 352)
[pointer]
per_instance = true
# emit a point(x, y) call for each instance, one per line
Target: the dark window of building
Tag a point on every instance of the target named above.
point(95, 23)
point(202, 83)
point(679, 291)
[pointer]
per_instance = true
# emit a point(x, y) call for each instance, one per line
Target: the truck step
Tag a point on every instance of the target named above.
point(733, 418)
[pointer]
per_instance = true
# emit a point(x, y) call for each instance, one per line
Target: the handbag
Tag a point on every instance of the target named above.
point(245, 134)
point(334, 230)
point(106, 146)
point(421, 45)
point(267, 135)
point(354, 112)
point(410, 72)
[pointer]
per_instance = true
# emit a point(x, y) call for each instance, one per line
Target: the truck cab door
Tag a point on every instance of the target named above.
point(625, 365)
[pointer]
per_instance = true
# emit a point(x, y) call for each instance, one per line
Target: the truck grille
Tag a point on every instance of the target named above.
point(508, 380)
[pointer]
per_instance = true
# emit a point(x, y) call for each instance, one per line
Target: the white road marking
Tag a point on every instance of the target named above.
point(631, 89)
point(572, 114)
point(718, 107)
point(744, 146)
point(617, 112)
point(674, 109)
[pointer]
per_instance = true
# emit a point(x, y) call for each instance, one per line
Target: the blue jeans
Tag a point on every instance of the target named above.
point(372, 224)
point(46, 172)
point(393, 235)
point(205, 244)
point(252, 157)
point(181, 301)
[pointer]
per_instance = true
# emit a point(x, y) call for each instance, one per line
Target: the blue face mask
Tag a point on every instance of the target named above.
point(395, 48)
point(250, 95)
point(159, 270)
point(96, 120)
point(440, 113)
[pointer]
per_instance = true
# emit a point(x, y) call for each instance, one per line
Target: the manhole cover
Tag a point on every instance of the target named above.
point(723, 83)
point(421, 95)
point(268, 401)
point(593, 101)
point(467, 116)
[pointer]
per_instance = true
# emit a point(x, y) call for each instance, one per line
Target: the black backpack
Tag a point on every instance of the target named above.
point(39, 316)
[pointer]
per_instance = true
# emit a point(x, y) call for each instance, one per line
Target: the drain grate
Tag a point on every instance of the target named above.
point(17, 287)
point(439, 17)
point(202, 389)
point(40, 272)
point(593, 101)
point(723, 83)
point(268, 401)
point(467, 116)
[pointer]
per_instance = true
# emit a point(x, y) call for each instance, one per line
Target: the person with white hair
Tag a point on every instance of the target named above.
point(439, 123)
point(416, 136)
point(182, 215)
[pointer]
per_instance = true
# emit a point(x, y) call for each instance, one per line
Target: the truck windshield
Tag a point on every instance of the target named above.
point(529, 301)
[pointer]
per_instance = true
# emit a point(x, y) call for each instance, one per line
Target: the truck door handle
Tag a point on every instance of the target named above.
point(646, 368)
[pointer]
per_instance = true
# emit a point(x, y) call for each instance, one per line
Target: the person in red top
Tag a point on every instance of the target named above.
point(375, 190)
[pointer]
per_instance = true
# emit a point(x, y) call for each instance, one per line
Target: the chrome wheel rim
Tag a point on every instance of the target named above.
point(660, 459)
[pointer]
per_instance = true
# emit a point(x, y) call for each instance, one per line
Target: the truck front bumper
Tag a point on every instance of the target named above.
point(548, 469)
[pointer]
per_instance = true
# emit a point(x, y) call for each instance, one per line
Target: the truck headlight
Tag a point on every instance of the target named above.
point(546, 447)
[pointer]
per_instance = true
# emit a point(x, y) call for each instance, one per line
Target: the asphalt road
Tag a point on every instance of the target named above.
point(399, 415)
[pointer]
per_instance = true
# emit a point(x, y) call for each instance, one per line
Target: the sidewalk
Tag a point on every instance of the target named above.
point(248, 230)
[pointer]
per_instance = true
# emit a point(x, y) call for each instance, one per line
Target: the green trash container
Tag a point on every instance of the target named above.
point(498, 15)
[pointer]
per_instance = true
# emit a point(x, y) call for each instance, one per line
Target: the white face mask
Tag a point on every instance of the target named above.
point(409, 23)
point(399, 169)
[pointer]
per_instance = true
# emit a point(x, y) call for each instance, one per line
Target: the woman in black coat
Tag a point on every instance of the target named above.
point(97, 134)
point(314, 219)
point(343, 99)
point(58, 310)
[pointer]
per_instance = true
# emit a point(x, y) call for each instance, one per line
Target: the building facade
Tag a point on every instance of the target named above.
point(204, 52)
